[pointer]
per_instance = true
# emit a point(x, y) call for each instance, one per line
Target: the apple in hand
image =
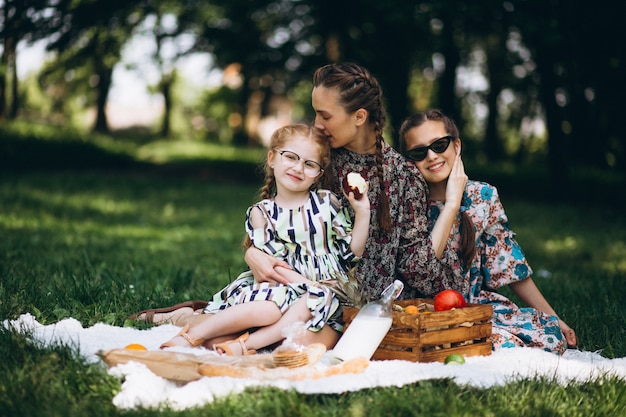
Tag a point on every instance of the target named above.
point(449, 299)
point(355, 183)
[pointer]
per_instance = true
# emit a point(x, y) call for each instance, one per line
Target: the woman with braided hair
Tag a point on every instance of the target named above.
point(349, 110)
point(348, 104)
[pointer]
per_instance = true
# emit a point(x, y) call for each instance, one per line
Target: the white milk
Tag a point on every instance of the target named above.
point(362, 337)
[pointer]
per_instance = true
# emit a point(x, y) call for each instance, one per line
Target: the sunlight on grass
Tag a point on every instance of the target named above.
point(566, 244)
point(162, 151)
point(611, 260)
point(96, 247)
point(616, 258)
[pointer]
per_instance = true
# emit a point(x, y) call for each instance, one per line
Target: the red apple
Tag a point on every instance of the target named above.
point(448, 299)
point(355, 183)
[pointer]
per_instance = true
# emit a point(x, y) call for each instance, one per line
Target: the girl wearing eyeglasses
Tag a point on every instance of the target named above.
point(301, 225)
point(349, 110)
point(468, 216)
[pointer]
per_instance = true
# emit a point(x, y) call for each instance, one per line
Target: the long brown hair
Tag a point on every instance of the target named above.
point(358, 89)
point(279, 138)
point(467, 245)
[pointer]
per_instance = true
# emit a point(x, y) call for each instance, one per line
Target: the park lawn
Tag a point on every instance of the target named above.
point(97, 246)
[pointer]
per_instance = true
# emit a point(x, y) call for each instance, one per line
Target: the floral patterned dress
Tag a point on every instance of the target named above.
point(406, 252)
point(315, 240)
point(499, 261)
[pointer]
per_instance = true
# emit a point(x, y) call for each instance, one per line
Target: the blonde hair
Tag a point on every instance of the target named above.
point(279, 139)
point(283, 135)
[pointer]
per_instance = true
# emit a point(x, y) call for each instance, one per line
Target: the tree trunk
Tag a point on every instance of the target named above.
point(3, 84)
point(394, 80)
point(166, 91)
point(104, 84)
point(557, 149)
point(496, 64)
point(15, 98)
point(4, 74)
point(446, 92)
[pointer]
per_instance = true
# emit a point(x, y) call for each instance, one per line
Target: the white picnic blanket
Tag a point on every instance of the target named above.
point(141, 387)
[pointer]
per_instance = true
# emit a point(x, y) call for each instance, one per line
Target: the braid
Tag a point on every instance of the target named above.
point(467, 245)
point(378, 118)
point(358, 89)
point(267, 191)
point(382, 211)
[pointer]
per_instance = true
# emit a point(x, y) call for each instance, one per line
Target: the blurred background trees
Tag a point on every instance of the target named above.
point(528, 81)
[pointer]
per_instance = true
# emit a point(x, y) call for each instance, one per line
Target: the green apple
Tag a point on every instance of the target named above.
point(454, 359)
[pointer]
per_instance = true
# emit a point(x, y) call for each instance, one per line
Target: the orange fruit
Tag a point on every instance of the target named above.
point(135, 346)
point(411, 309)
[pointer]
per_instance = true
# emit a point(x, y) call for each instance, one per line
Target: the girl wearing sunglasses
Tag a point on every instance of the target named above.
point(471, 214)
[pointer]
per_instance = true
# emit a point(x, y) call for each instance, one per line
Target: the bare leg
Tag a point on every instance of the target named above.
point(326, 335)
point(271, 334)
point(210, 341)
point(231, 320)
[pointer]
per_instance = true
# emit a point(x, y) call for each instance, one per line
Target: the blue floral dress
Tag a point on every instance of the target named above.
point(315, 240)
point(499, 261)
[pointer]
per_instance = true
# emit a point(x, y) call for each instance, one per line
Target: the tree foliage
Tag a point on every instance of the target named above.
point(555, 61)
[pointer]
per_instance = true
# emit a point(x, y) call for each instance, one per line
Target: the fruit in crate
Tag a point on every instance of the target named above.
point(449, 299)
point(355, 183)
point(411, 309)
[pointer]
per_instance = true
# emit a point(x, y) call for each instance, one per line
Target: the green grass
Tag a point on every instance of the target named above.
point(98, 246)
point(97, 227)
point(31, 146)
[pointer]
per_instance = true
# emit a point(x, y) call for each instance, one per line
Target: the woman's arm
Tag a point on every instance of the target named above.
point(528, 292)
point(292, 276)
point(454, 194)
point(263, 266)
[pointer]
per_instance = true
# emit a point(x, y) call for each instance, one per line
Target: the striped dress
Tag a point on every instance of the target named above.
point(315, 240)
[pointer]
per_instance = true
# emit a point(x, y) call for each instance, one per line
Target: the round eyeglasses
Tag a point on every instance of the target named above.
point(438, 146)
point(291, 159)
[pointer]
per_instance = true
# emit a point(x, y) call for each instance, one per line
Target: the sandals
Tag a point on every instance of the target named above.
point(183, 333)
point(195, 305)
point(225, 346)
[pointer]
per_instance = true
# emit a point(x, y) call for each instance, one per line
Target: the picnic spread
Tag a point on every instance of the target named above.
point(141, 387)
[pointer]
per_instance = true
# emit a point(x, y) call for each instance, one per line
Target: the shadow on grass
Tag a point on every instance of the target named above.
point(23, 154)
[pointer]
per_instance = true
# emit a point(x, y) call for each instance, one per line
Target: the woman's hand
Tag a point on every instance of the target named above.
point(456, 182)
point(568, 332)
point(263, 266)
point(528, 292)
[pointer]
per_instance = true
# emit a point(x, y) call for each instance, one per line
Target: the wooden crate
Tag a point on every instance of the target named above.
point(432, 336)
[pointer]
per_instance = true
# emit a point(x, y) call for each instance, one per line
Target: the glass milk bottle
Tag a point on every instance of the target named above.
point(369, 326)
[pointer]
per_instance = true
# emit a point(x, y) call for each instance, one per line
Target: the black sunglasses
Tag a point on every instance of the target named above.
point(438, 146)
